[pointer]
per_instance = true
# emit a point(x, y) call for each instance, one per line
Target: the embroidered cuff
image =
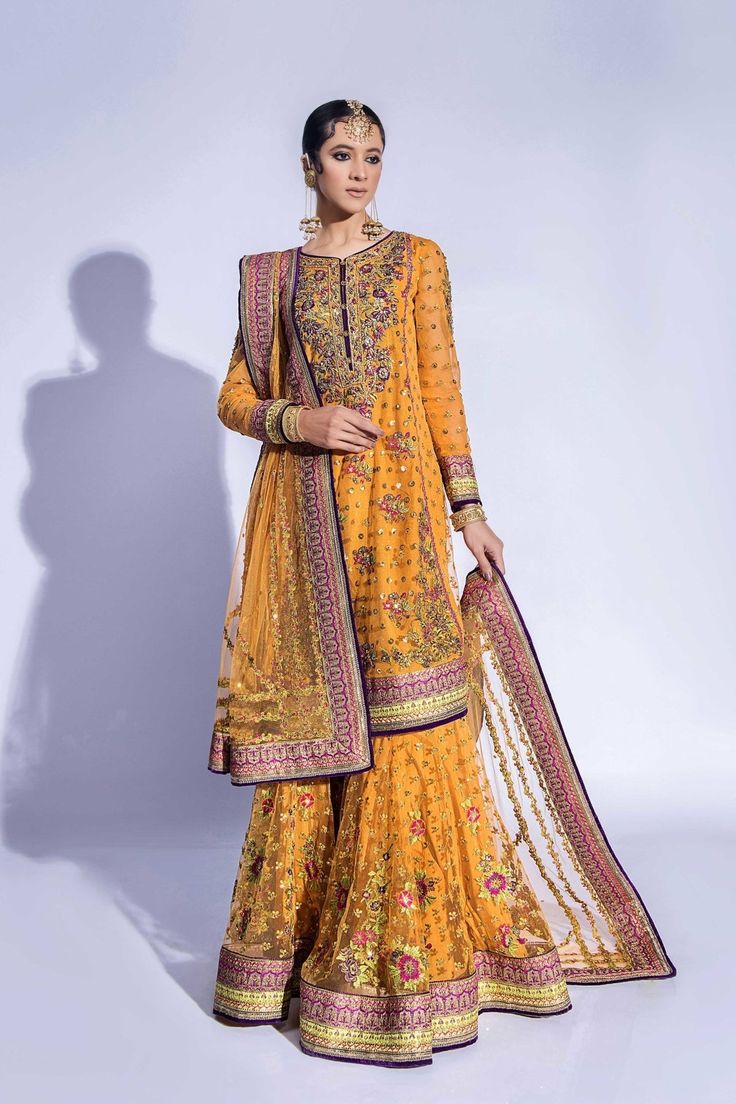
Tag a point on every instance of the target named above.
point(458, 476)
point(265, 420)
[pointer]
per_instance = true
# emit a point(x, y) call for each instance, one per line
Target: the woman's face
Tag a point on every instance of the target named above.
point(350, 170)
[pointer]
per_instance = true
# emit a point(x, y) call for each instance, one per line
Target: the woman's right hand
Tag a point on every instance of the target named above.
point(338, 427)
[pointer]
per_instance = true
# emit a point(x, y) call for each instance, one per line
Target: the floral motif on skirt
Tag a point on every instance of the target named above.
point(393, 902)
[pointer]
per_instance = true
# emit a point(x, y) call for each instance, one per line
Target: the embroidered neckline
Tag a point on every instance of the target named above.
point(357, 253)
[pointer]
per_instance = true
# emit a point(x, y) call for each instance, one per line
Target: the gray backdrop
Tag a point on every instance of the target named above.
point(575, 161)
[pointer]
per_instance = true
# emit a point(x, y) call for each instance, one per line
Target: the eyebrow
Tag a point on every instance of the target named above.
point(346, 145)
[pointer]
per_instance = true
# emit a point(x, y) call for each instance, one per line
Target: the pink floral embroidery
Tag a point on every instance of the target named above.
point(399, 445)
point(306, 800)
point(497, 880)
point(405, 898)
point(424, 886)
point(397, 606)
point(417, 828)
point(473, 814)
point(508, 935)
point(267, 805)
point(358, 467)
point(363, 936)
point(394, 506)
point(311, 869)
point(495, 883)
point(408, 967)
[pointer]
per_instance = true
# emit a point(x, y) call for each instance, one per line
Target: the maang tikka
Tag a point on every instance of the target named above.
point(357, 126)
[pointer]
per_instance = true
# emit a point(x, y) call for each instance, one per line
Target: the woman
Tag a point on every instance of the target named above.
point(381, 876)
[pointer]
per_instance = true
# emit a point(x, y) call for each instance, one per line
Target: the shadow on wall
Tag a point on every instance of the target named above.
point(126, 506)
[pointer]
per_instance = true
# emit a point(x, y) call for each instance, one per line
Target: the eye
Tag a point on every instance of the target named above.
point(340, 155)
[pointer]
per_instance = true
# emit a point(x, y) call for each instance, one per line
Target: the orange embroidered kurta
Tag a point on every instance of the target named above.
point(394, 901)
point(376, 333)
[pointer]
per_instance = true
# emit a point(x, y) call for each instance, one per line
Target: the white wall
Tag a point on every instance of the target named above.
point(575, 162)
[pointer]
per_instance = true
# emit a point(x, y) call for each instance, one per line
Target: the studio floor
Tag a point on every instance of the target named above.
point(110, 956)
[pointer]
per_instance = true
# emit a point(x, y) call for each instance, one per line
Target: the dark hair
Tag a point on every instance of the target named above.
point(321, 125)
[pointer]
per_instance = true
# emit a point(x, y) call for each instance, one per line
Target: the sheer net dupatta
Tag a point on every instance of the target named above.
point(290, 699)
point(600, 925)
point(272, 697)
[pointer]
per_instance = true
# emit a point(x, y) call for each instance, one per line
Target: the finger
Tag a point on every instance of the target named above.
point(349, 446)
point(365, 424)
point(486, 569)
point(486, 561)
point(497, 560)
point(350, 438)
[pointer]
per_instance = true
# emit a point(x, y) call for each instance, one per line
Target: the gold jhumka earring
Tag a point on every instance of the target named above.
point(310, 224)
point(357, 126)
point(372, 228)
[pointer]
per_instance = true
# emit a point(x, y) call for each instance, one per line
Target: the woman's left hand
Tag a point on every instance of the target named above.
point(485, 546)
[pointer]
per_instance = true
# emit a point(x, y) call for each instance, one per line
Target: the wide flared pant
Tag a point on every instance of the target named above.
point(392, 902)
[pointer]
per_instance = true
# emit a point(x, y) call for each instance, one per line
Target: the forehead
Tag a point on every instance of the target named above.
point(341, 137)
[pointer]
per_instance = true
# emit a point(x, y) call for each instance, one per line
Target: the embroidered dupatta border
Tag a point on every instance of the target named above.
point(324, 538)
point(268, 279)
point(258, 316)
point(502, 620)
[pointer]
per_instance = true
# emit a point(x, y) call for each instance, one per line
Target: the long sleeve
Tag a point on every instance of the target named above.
point(439, 376)
point(240, 409)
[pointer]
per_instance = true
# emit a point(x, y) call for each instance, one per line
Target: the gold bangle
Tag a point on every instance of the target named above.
point(473, 512)
point(290, 423)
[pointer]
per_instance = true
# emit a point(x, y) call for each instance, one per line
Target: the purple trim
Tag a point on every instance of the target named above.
point(246, 350)
point(246, 1023)
point(638, 977)
point(525, 1012)
point(455, 1046)
point(344, 310)
point(304, 777)
point(457, 505)
point(363, 1061)
point(672, 972)
point(253, 306)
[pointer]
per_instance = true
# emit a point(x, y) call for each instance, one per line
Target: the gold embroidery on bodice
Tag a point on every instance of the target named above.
point(343, 309)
